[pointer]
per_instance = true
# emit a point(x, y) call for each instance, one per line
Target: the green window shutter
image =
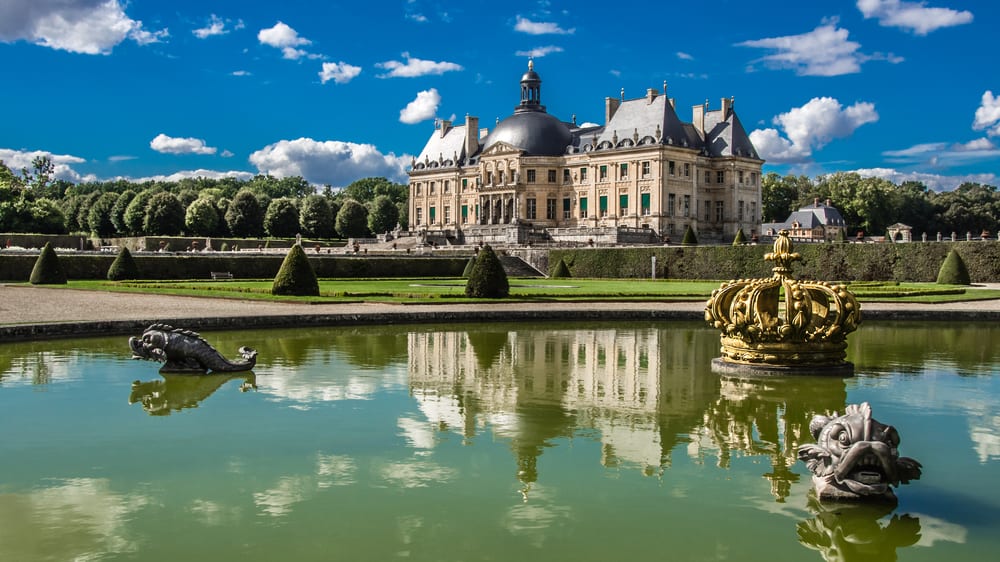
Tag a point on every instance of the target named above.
point(465, 211)
point(566, 204)
point(432, 213)
point(623, 201)
point(603, 202)
point(583, 203)
point(644, 199)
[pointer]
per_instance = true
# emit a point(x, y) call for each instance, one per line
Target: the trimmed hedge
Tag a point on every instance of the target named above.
point(47, 269)
point(123, 267)
point(17, 267)
point(487, 279)
point(915, 262)
point(296, 276)
point(953, 271)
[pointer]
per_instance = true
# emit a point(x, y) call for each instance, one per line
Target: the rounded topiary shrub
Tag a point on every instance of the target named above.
point(468, 268)
point(296, 276)
point(123, 267)
point(689, 238)
point(953, 271)
point(560, 270)
point(740, 238)
point(47, 270)
point(487, 280)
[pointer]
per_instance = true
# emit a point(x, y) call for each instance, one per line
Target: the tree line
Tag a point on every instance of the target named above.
point(872, 205)
point(32, 201)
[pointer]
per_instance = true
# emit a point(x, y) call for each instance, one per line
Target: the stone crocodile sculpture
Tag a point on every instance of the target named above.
point(184, 351)
point(855, 457)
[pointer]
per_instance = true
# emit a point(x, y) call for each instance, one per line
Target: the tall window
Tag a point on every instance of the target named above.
point(500, 178)
point(753, 178)
point(670, 167)
point(431, 215)
point(603, 204)
point(708, 176)
point(687, 206)
point(447, 214)
point(623, 204)
point(720, 177)
point(489, 178)
point(645, 168)
point(566, 175)
point(550, 209)
point(719, 211)
point(552, 176)
point(583, 175)
point(708, 211)
point(583, 207)
point(431, 190)
point(753, 211)
point(671, 204)
point(447, 186)
point(567, 213)
point(418, 189)
point(531, 176)
point(644, 204)
point(687, 169)
point(623, 171)
point(602, 173)
point(465, 214)
point(420, 216)
point(465, 183)
point(739, 176)
point(532, 210)
point(739, 211)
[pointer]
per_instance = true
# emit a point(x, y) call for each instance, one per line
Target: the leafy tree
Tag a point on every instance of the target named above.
point(124, 267)
point(164, 215)
point(100, 215)
point(187, 196)
point(244, 216)
point(118, 210)
point(282, 218)
point(201, 217)
point(46, 217)
point(316, 218)
point(48, 270)
point(135, 212)
point(352, 220)
point(487, 279)
point(83, 212)
point(778, 195)
point(383, 215)
point(296, 275)
point(39, 176)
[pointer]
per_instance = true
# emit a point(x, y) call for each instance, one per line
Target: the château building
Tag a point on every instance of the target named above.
point(642, 176)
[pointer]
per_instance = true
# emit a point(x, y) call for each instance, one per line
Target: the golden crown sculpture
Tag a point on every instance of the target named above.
point(781, 323)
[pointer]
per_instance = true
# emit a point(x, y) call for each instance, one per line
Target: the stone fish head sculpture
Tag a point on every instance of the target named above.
point(855, 457)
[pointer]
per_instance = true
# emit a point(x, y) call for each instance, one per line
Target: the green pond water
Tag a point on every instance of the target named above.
point(486, 442)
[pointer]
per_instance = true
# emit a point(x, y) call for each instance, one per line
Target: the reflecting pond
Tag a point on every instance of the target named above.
point(486, 442)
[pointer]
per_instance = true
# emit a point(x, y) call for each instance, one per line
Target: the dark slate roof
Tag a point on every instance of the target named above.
point(725, 135)
point(535, 132)
point(826, 214)
point(441, 150)
point(810, 216)
point(641, 121)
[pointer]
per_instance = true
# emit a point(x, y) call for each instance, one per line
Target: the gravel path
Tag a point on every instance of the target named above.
point(37, 312)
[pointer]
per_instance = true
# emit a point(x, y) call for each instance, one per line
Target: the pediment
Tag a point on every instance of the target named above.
point(501, 148)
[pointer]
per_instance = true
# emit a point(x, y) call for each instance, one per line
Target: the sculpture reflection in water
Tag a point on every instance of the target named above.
point(643, 392)
point(177, 392)
point(857, 532)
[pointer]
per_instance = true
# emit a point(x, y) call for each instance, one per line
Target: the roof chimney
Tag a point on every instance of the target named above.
point(471, 135)
point(610, 107)
point(651, 94)
point(727, 106)
point(445, 126)
point(698, 119)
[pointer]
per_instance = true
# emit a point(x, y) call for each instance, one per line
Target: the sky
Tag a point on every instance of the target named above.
point(336, 91)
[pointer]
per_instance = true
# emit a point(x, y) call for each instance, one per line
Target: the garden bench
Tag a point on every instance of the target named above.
point(216, 275)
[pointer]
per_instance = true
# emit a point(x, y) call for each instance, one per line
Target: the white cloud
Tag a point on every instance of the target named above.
point(227, 154)
point(62, 170)
point(824, 51)
point(414, 67)
point(524, 25)
point(283, 37)
point(935, 182)
point(336, 163)
point(78, 26)
point(810, 127)
point(684, 56)
point(943, 155)
point(988, 115)
point(912, 16)
point(216, 26)
point(240, 73)
point(339, 72)
point(539, 52)
point(200, 173)
point(180, 145)
point(422, 108)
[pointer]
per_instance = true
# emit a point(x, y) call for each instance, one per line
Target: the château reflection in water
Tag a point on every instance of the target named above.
point(643, 392)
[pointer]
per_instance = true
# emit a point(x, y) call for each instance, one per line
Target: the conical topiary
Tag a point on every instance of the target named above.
point(47, 270)
point(296, 276)
point(468, 268)
point(740, 238)
point(841, 236)
point(560, 270)
point(123, 267)
point(953, 271)
point(689, 238)
point(487, 280)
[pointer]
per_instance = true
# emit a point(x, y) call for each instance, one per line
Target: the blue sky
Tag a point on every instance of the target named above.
point(334, 91)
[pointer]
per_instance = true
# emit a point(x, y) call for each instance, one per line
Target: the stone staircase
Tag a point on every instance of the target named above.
point(514, 266)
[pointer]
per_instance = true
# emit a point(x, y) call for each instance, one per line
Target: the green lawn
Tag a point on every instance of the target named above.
point(452, 290)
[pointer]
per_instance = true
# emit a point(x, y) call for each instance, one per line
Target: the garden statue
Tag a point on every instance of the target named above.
point(184, 351)
point(782, 325)
point(856, 458)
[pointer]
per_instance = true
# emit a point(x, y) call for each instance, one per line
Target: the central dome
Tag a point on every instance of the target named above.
point(535, 132)
point(531, 129)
